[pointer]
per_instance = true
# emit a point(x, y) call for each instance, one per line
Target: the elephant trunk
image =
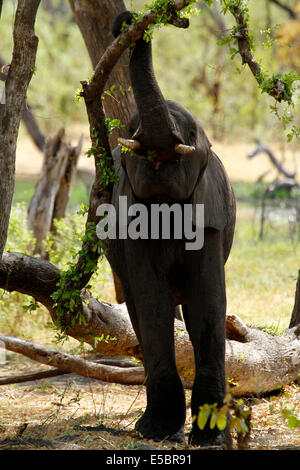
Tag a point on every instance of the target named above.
point(156, 128)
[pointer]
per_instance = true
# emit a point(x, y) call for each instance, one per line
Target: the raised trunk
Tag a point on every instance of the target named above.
point(155, 128)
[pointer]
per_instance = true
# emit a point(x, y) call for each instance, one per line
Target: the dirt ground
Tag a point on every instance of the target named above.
point(75, 413)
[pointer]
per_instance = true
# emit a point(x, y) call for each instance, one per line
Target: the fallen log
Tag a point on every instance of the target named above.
point(257, 362)
point(68, 363)
point(44, 374)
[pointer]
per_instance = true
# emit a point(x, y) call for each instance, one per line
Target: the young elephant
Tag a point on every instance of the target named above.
point(158, 274)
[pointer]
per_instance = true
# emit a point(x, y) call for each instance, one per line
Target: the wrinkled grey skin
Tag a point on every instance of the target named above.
point(157, 275)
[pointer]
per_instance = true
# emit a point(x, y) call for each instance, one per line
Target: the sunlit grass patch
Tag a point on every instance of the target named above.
point(261, 274)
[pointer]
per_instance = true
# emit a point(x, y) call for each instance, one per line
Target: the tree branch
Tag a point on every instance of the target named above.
point(18, 78)
point(67, 363)
point(44, 374)
point(244, 45)
point(292, 14)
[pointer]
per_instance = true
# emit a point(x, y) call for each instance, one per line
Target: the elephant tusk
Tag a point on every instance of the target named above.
point(184, 149)
point(129, 143)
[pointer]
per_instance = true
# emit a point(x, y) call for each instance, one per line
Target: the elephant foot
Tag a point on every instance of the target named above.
point(151, 429)
point(210, 438)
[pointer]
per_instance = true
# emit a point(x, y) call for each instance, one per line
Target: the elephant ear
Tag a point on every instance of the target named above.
point(214, 191)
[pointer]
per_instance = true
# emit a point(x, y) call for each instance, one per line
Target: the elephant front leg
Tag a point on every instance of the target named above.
point(164, 416)
point(165, 413)
point(204, 315)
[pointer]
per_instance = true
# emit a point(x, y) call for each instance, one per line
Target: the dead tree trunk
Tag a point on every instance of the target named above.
point(66, 183)
point(256, 362)
point(295, 320)
point(53, 188)
point(18, 78)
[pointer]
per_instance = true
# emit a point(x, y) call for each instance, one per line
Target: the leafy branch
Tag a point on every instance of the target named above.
point(240, 41)
point(232, 415)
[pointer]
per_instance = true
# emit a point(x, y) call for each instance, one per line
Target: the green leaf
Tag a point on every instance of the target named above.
point(213, 419)
point(203, 416)
point(244, 427)
point(221, 420)
point(293, 422)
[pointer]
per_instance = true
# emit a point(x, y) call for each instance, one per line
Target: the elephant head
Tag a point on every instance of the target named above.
point(166, 153)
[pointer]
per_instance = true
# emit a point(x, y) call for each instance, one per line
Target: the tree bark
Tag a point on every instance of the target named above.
point(256, 361)
point(66, 182)
point(19, 75)
point(28, 119)
point(295, 320)
point(94, 19)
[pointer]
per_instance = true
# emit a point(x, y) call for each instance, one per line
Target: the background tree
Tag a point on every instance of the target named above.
point(20, 72)
point(94, 18)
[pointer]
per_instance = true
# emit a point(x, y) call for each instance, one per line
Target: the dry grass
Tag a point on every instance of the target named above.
point(53, 414)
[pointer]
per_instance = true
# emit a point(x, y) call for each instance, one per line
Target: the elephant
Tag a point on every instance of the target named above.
point(158, 274)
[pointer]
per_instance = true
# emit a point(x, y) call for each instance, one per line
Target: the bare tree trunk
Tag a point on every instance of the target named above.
point(256, 361)
point(18, 78)
point(295, 320)
point(28, 119)
point(66, 183)
point(53, 188)
point(94, 19)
